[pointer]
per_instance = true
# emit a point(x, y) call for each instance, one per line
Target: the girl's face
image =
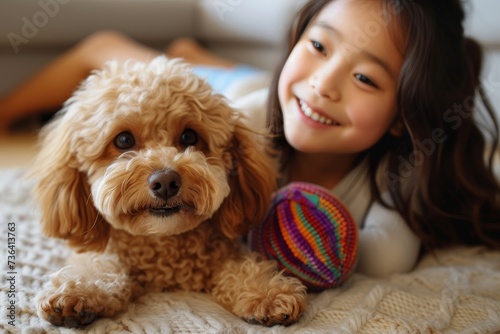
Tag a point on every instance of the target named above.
point(337, 89)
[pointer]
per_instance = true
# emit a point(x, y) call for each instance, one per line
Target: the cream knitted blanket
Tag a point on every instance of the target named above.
point(457, 292)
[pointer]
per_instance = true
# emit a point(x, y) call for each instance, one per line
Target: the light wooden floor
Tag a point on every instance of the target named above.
point(17, 150)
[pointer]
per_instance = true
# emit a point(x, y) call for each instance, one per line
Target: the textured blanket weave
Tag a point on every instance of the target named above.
point(457, 292)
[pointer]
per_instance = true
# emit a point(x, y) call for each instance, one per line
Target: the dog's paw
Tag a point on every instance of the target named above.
point(280, 303)
point(76, 304)
point(68, 317)
point(68, 309)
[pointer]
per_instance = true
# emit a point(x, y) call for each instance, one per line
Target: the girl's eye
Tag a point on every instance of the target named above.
point(124, 140)
point(364, 79)
point(318, 46)
point(188, 138)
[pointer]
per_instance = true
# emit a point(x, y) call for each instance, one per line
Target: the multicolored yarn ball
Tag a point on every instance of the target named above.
point(310, 234)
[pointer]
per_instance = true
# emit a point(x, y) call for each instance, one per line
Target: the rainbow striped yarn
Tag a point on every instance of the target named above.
point(310, 234)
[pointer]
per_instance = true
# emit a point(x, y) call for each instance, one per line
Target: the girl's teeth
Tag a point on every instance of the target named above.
point(314, 115)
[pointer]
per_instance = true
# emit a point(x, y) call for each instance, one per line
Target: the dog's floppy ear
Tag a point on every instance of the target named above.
point(252, 182)
point(63, 193)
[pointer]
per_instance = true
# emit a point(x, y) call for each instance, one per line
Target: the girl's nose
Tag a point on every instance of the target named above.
point(326, 82)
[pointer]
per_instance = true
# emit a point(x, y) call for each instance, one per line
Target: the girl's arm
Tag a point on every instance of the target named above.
point(386, 243)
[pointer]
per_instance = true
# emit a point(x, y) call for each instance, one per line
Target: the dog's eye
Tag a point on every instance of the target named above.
point(125, 140)
point(189, 138)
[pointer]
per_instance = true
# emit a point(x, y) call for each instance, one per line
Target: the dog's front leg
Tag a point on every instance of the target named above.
point(255, 291)
point(89, 288)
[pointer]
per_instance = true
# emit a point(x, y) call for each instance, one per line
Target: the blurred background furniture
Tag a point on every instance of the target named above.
point(252, 32)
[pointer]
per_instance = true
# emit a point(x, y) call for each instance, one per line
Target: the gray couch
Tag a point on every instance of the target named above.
point(251, 31)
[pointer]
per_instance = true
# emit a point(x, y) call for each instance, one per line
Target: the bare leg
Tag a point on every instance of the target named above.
point(54, 84)
point(194, 53)
point(50, 87)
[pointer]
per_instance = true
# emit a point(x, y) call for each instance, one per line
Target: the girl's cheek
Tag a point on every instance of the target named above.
point(282, 87)
point(294, 65)
point(372, 119)
point(287, 78)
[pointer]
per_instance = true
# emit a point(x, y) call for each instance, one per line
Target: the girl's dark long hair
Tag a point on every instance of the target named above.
point(440, 170)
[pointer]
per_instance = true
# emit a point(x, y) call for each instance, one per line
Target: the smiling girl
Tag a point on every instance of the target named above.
point(333, 107)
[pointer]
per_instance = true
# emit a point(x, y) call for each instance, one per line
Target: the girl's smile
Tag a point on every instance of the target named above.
point(314, 116)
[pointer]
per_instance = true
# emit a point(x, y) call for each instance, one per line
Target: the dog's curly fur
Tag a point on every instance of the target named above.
point(152, 177)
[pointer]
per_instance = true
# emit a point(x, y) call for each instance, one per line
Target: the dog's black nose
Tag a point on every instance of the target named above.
point(165, 183)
